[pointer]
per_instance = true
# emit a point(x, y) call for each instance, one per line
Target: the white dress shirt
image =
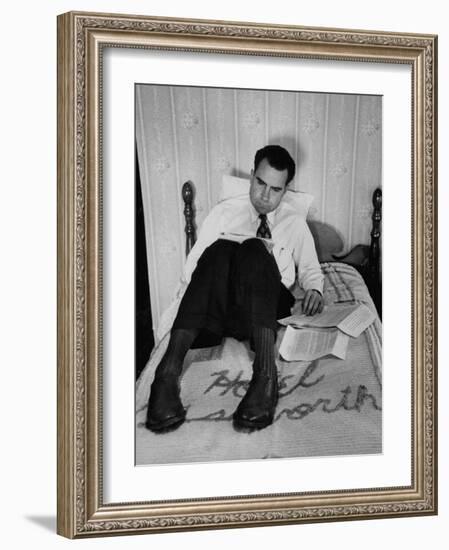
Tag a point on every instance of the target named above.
point(293, 250)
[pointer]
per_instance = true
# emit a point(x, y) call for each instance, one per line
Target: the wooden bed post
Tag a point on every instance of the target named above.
point(374, 251)
point(187, 197)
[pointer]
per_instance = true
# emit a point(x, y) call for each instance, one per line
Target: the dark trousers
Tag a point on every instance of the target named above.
point(234, 288)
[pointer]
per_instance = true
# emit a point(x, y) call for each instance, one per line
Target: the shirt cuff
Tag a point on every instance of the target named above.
point(314, 286)
point(316, 290)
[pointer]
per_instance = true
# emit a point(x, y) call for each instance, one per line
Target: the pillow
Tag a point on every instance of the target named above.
point(233, 186)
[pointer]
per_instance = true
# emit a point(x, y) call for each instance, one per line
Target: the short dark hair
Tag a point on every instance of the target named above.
point(278, 158)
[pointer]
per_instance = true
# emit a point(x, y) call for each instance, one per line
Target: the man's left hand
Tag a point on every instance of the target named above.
point(313, 302)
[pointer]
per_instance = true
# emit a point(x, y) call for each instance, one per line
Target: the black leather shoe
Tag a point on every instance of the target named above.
point(165, 410)
point(256, 409)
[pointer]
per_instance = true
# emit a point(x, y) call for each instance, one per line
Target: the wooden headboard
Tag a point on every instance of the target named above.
point(365, 258)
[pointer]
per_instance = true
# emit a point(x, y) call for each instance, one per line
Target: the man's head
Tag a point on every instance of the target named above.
point(273, 170)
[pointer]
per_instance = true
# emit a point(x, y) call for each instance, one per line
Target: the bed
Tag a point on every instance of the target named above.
point(326, 407)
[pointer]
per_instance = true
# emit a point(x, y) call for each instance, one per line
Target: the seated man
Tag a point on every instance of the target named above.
point(240, 289)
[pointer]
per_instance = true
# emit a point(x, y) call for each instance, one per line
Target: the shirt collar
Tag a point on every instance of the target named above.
point(255, 215)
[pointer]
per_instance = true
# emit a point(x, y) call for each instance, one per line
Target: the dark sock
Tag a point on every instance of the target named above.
point(264, 363)
point(179, 344)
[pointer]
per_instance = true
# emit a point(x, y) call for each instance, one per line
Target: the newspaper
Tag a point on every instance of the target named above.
point(350, 319)
point(306, 344)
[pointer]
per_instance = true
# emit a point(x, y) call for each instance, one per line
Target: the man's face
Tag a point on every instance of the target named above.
point(267, 187)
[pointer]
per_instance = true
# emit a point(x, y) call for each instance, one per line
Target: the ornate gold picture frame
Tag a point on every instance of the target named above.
point(82, 41)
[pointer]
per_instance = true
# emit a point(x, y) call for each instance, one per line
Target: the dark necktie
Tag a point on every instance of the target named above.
point(264, 230)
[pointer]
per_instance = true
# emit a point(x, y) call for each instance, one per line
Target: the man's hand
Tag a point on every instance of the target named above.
point(313, 302)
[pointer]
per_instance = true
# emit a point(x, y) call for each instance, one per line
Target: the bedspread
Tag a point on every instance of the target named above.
point(326, 407)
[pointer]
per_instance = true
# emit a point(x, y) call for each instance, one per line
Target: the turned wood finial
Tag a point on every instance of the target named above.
point(374, 256)
point(187, 197)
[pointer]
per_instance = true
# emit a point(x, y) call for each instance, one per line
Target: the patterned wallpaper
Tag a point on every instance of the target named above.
point(199, 134)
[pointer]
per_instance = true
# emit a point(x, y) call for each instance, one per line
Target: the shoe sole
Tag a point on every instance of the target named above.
point(252, 426)
point(165, 426)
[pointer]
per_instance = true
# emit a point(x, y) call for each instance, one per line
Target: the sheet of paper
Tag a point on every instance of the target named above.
point(331, 316)
point(358, 321)
point(351, 319)
point(309, 344)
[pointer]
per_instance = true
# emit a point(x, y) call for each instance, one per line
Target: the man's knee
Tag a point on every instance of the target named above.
point(219, 251)
point(253, 248)
point(253, 261)
point(254, 254)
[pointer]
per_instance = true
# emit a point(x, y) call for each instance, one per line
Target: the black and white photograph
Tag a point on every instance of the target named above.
point(221, 288)
point(258, 280)
point(247, 304)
